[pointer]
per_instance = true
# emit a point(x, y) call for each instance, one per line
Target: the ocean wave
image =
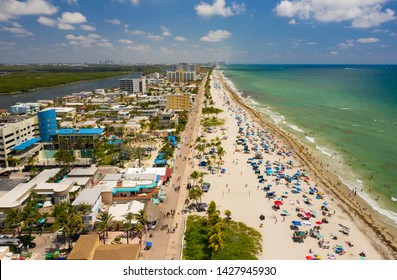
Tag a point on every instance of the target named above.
point(295, 127)
point(347, 108)
point(253, 101)
point(310, 139)
point(393, 199)
point(276, 117)
point(325, 151)
point(356, 184)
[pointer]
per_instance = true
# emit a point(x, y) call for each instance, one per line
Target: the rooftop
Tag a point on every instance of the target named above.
point(80, 131)
point(83, 171)
point(119, 211)
point(20, 193)
point(88, 196)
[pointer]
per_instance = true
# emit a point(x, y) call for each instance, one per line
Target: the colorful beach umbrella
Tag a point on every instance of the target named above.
point(309, 258)
point(278, 202)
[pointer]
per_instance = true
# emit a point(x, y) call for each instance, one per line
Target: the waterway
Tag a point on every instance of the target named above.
point(51, 93)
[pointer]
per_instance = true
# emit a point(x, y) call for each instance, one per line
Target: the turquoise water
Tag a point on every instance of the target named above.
point(346, 114)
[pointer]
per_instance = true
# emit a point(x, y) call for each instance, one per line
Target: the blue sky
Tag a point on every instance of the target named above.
point(171, 31)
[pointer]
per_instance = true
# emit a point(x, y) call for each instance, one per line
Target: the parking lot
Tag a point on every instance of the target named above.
point(8, 184)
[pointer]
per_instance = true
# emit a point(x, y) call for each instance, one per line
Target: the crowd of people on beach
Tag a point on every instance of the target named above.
point(294, 198)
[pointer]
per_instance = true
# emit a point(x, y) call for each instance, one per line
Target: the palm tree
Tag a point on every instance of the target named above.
point(127, 224)
point(215, 237)
point(68, 219)
point(228, 215)
point(138, 153)
point(105, 222)
point(139, 229)
point(194, 176)
point(13, 221)
point(196, 194)
point(30, 216)
point(141, 217)
point(63, 157)
point(220, 152)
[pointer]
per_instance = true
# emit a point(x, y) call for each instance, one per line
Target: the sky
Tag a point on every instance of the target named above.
point(199, 31)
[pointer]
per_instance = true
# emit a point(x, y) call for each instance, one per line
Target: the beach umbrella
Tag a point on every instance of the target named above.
point(297, 223)
point(308, 215)
point(319, 223)
point(309, 258)
point(278, 202)
point(325, 203)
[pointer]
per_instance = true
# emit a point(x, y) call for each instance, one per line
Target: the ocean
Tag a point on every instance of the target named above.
point(347, 115)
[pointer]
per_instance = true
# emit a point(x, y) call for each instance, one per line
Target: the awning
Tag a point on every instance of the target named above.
point(26, 144)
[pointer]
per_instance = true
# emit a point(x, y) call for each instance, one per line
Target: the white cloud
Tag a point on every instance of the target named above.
point(12, 8)
point(218, 8)
point(165, 50)
point(139, 48)
point(137, 32)
point(65, 26)
point(67, 21)
point(381, 30)
point(166, 31)
point(333, 53)
point(125, 41)
point(83, 41)
point(311, 43)
point(154, 37)
point(72, 2)
point(6, 45)
point(72, 18)
point(216, 35)
point(368, 40)
point(180, 39)
point(88, 41)
point(104, 43)
point(87, 27)
point(47, 21)
point(346, 45)
point(361, 13)
point(17, 29)
point(133, 2)
point(292, 21)
point(113, 21)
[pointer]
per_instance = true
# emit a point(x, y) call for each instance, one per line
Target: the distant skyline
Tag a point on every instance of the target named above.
point(172, 31)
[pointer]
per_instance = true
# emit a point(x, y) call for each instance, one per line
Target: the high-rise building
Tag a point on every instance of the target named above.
point(47, 123)
point(136, 85)
point(184, 72)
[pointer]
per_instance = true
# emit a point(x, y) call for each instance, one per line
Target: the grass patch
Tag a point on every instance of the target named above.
point(240, 242)
point(212, 122)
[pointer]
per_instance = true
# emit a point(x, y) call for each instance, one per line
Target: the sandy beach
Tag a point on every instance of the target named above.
point(337, 223)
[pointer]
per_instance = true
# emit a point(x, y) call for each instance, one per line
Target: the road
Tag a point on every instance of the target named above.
point(166, 245)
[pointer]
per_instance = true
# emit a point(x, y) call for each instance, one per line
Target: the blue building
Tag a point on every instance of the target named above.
point(47, 123)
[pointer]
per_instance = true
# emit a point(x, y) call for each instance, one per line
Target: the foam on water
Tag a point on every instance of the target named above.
point(310, 139)
point(325, 151)
point(295, 127)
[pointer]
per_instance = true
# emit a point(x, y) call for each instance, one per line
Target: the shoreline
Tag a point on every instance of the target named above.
point(353, 205)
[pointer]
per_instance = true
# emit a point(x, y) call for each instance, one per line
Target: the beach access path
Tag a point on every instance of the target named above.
point(237, 190)
point(168, 245)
